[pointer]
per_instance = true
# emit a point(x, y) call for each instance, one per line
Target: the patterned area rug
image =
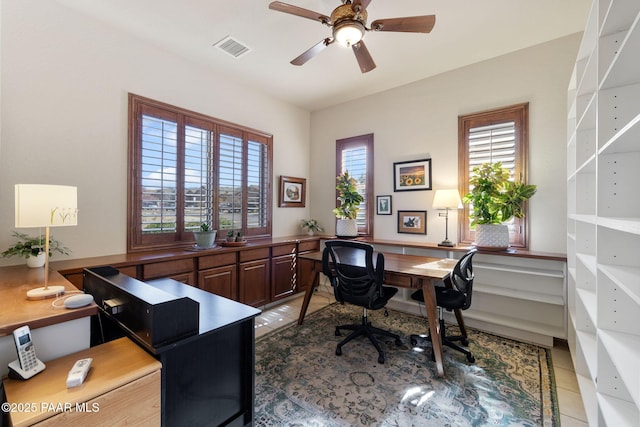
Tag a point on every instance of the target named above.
point(301, 382)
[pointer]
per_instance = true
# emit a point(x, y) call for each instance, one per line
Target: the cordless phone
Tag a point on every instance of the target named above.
point(27, 364)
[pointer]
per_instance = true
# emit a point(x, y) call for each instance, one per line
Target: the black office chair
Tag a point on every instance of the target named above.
point(356, 279)
point(454, 295)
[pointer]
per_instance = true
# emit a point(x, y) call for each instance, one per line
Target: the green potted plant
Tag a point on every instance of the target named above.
point(347, 211)
point(231, 236)
point(311, 225)
point(205, 237)
point(32, 249)
point(495, 199)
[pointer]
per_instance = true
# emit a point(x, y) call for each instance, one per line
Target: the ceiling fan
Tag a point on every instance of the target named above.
point(349, 24)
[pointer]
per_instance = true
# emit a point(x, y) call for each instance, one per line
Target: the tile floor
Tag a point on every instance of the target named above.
point(572, 412)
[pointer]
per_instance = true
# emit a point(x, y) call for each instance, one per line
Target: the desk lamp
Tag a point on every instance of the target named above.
point(46, 206)
point(446, 199)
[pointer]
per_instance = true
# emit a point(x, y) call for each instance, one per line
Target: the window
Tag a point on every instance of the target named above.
point(186, 168)
point(494, 136)
point(355, 155)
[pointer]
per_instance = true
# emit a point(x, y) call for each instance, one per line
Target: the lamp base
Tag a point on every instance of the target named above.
point(447, 243)
point(44, 293)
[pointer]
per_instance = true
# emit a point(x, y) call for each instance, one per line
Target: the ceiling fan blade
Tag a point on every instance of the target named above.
point(313, 51)
point(299, 11)
point(365, 61)
point(410, 24)
point(361, 4)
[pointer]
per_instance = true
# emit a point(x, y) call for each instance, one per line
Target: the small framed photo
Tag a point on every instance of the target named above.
point(412, 222)
point(412, 176)
point(292, 192)
point(383, 205)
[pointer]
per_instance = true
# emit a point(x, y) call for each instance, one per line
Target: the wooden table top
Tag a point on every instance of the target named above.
point(115, 364)
point(412, 265)
point(16, 310)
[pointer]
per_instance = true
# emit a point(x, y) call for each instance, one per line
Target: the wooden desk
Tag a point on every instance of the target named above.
point(122, 387)
point(404, 271)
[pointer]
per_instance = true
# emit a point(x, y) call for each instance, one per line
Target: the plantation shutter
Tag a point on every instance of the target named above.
point(489, 137)
point(230, 179)
point(257, 185)
point(198, 175)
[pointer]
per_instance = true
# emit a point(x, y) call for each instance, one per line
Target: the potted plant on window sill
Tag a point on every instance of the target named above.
point(494, 200)
point(311, 225)
point(32, 249)
point(206, 237)
point(347, 211)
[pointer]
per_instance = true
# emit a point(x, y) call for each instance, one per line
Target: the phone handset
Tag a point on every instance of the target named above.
point(27, 364)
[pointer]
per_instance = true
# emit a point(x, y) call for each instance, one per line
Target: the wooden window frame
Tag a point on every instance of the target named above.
point(136, 240)
point(365, 230)
point(518, 113)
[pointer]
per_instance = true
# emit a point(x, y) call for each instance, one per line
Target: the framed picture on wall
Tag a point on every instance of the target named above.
point(412, 175)
point(292, 192)
point(383, 205)
point(412, 222)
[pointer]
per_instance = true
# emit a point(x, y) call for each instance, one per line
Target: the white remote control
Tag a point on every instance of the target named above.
point(78, 373)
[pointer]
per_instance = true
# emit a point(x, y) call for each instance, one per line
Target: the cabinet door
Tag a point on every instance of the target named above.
point(306, 274)
point(220, 281)
point(253, 282)
point(283, 278)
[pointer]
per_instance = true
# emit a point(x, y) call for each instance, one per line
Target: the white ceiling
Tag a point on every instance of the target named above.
point(466, 31)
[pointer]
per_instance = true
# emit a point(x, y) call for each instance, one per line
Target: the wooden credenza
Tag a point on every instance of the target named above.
point(121, 388)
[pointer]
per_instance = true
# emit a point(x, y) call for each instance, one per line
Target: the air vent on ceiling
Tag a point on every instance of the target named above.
point(233, 47)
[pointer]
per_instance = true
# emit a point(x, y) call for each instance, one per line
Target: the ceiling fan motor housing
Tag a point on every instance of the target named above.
point(348, 26)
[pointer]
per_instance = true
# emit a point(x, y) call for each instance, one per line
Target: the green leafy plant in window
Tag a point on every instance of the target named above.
point(348, 197)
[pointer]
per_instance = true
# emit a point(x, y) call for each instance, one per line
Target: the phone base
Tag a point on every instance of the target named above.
point(17, 373)
point(44, 293)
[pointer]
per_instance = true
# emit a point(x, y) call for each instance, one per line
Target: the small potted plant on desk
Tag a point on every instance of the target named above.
point(32, 249)
point(311, 225)
point(347, 211)
point(206, 237)
point(495, 199)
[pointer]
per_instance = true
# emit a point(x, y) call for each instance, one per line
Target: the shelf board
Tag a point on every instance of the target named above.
point(588, 394)
point(625, 277)
point(627, 225)
point(520, 270)
point(625, 140)
point(588, 261)
point(511, 322)
point(625, 67)
point(587, 343)
point(521, 295)
point(590, 303)
point(589, 219)
point(624, 351)
point(617, 412)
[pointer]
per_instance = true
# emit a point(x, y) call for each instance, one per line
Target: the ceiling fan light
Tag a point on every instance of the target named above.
point(348, 33)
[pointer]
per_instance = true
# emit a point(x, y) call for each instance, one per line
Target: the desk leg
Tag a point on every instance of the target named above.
point(308, 294)
point(434, 325)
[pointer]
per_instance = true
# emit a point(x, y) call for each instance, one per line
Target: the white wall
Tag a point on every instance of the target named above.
point(420, 120)
point(65, 79)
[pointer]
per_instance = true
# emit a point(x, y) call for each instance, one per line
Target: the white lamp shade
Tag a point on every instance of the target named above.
point(349, 33)
point(39, 205)
point(447, 199)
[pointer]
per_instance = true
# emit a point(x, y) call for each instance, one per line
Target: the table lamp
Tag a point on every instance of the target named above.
point(446, 199)
point(46, 206)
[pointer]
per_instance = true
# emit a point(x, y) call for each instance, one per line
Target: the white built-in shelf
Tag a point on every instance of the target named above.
point(617, 412)
point(624, 351)
point(627, 225)
point(626, 278)
point(519, 294)
point(520, 270)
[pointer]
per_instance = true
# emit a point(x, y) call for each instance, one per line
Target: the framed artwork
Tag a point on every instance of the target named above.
point(412, 175)
point(412, 222)
point(292, 192)
point(383, 205)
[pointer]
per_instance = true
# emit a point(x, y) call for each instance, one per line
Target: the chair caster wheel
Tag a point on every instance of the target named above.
point(464, 342)
point(398, 342)
point(381, 359)
point(337, 333)
point(414, 342)
point(338, 352)
point(470, 358)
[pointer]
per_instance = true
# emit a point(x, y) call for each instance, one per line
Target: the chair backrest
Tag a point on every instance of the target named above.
point(461, 276)
point(355, 275)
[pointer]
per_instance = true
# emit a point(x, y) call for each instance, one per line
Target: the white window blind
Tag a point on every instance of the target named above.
point(257, 185)
point(354, 161)
point(230, 182)
point(492, 144)
point(159, 180)
point(198, 185)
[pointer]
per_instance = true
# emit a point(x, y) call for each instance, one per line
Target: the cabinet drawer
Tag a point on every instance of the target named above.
point(399, 280)
point(284, 250)
point(167, 268)
point(253, 254)
point(211, 261)
point(309, 246)
point(130, 270)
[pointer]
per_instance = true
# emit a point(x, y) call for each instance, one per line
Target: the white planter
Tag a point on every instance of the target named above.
point(205, 239)
point(36, 261)
point(493, 237)
point(346, 228)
